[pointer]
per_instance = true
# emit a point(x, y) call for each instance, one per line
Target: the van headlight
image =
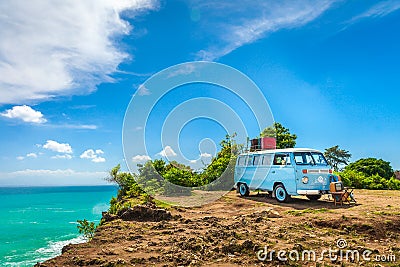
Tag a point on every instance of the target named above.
point(305, 180)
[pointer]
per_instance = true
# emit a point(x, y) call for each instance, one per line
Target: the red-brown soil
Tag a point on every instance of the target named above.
point(230, 231)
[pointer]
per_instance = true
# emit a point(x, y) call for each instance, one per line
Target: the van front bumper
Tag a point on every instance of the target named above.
point(311, 192)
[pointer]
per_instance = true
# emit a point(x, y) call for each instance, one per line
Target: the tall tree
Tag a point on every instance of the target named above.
point(336, 157)
point(284, 139)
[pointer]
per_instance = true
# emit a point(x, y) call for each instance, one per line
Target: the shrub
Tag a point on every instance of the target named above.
point(86, 228)
point(393, 184)
point(372, 166)
point(362, 181)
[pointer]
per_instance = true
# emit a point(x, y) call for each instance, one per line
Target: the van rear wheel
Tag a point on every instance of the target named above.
point(313, 197)
point(280, 193)
point(244, 190)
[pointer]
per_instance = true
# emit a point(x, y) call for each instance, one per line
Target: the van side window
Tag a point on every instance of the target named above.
point(282, 159)
point(267, 159)
point(249, 161)
point(288, 161)
point(256, 160)
point(240, 161)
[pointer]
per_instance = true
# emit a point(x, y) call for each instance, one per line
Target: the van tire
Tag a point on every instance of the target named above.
point(243, 189)
point(281, 194)
point(313, 197)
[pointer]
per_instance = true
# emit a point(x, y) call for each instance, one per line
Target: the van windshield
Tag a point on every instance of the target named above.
point(303, 158)
point(309, 158)
point(319, 158)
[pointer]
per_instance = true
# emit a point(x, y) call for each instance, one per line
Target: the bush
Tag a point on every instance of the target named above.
point(173, 179)
point(370, 173)
point(375, 182)
point(372, 166)
point(393, 184)
point(86, 228)
point(361, 181)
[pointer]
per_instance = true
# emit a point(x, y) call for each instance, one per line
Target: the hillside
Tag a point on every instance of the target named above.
point(230, 232)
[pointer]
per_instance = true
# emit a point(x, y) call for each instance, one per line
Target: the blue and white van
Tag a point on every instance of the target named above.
point(284, 173)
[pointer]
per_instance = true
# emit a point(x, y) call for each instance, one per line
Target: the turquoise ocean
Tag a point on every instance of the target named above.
point(36, 222)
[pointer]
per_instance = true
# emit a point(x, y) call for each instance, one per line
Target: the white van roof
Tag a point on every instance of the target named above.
point(284, 150)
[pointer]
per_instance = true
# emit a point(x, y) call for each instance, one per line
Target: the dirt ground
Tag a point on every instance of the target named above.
point(233, 230)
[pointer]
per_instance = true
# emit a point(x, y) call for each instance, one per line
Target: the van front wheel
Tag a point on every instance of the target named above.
point(280, 193)
point(244, 190)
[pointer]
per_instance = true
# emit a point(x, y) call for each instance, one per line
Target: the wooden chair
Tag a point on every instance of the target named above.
point(345, 196)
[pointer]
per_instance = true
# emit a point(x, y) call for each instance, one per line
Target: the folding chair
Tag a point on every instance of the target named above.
point(345, 196)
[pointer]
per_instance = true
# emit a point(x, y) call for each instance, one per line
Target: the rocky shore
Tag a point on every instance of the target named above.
point(232, 230)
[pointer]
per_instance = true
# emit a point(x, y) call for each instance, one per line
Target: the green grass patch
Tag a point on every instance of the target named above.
point(386, 213)
point(309, 210)
point(163, 204)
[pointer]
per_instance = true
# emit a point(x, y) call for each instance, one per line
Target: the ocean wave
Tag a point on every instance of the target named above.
point(64, 211)
point(52, 250)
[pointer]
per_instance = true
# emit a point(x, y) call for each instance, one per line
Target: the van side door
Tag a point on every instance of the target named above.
point(283, 171)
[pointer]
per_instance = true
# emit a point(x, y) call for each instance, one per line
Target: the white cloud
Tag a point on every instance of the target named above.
point(82, 107)
point(140, 158)
point(24, 113)
point(51, 48)
point(58, 147)
point(167, 152)
point(20, 158)
point(98, 159)
point(205, 155)
point(88, 154)
point(143, 90)
point(193, 161)
point(248, 21)
point(93, 155)
point(182, 70)
point(65, 156)
point(31, 155)
point(379, 10)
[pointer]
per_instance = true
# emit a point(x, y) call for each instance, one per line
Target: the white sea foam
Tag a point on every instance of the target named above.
point(52, 250)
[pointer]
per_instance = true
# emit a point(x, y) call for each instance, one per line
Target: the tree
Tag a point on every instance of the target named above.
point(218, 175)
point(86, 228)
point(284, 139)
point(336, 156)
point(125, 181)
point(372, 166)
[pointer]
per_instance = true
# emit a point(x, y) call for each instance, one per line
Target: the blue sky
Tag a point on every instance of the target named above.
point(328, 69)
